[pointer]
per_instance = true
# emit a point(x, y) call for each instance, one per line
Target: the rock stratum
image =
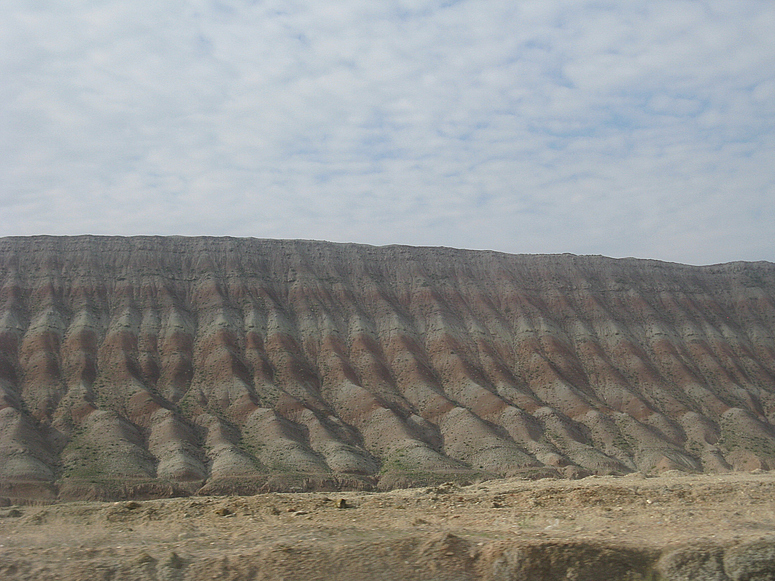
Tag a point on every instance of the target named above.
point(156, 366)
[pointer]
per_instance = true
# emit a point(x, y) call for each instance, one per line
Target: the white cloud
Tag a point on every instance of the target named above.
point(639, 128)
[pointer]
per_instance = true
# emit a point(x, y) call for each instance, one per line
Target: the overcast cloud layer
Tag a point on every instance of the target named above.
point(642, 128)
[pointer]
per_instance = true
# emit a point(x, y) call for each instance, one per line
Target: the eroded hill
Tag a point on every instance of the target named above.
point(133, 366)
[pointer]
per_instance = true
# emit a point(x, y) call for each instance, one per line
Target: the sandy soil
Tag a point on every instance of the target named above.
point(598, 527)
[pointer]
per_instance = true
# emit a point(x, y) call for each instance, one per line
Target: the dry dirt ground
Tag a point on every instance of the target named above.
point(675, 526)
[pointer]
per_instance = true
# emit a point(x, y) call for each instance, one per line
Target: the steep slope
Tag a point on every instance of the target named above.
point(162, 365)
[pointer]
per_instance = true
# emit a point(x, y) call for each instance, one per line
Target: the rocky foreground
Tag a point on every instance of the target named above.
point(146, 367)
point(668, 528)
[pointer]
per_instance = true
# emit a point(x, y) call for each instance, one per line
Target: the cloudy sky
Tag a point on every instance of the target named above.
point(623, 128)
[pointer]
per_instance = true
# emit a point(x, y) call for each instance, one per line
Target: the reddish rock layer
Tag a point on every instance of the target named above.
point(168, 364)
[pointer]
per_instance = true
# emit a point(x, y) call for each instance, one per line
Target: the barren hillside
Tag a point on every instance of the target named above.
point(158, 366)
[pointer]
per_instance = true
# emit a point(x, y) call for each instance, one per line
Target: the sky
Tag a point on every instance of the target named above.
point(621, 128)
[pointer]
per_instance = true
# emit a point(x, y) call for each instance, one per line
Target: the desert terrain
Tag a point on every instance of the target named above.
point(219, 408)
point(151, 366)
point(671, 527)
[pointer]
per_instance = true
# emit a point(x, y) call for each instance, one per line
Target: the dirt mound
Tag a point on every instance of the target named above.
point(140, 366)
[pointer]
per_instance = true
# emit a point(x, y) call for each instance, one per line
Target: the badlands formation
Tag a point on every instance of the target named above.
point(149, 367)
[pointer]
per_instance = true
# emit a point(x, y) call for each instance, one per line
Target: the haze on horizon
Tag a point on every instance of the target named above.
point(640, 129)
